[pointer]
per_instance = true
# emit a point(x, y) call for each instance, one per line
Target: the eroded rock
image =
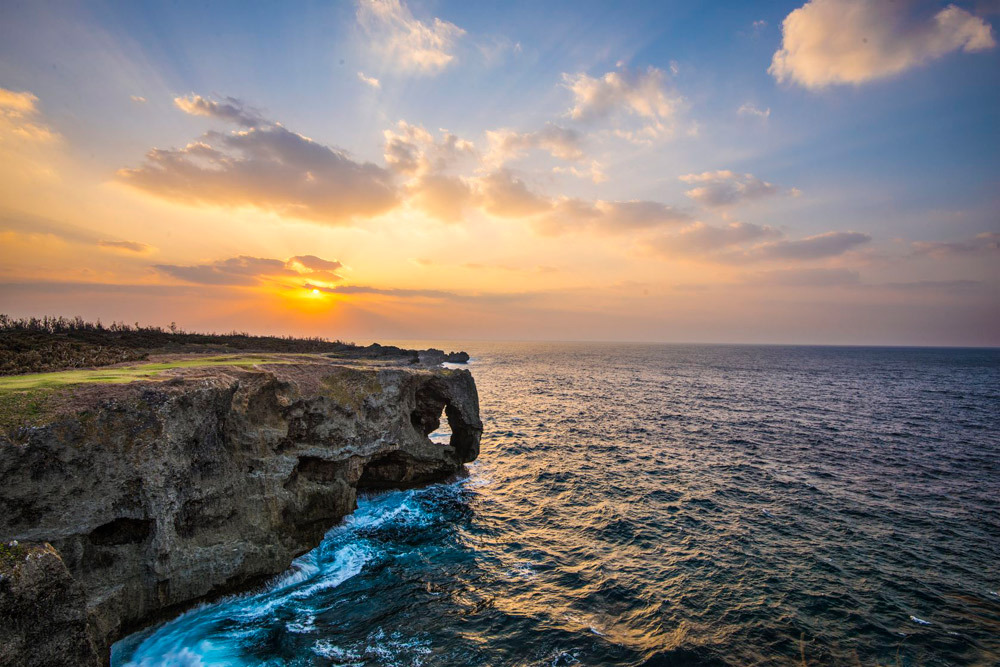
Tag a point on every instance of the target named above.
point(155, 495)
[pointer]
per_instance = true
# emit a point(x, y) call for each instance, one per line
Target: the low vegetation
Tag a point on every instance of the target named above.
point(35, 345)
point(11, 553)
point(120, 374)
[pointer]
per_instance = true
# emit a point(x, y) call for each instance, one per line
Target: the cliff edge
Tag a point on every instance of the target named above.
point(132, 501)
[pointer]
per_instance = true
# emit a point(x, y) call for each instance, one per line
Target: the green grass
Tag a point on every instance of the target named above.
point(350, 388)
point(123, 374)
point(10, 555)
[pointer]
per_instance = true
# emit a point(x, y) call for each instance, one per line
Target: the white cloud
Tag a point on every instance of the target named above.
point(138, 99)
point(17, 112)
point(506, 196)
point(506, 144)
point(594, 172)
point(369, 80)
point(643, 95)
point(749, 109)
point(440, 196)
point(403, 40)
point(496, 49)
point(724, 187)
point(829, 42)
point(412, 150)
point(231, 110)
point(570, 215)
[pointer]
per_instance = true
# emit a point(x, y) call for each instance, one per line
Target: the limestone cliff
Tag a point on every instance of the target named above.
point(157, 494)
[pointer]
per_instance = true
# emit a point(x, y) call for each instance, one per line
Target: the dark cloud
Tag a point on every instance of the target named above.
point(442, 295)
point(270, 168)
point(807, 277)
point(981, 244)
point(700, 238)
point(246, 270)
point(130, 246)
point(830, 244)
point(316, 263)
point(26, 223)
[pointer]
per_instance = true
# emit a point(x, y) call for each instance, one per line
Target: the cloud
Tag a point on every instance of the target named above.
point(594, 172)
point(742, 243)
point(570, 215)
point(384, 291)
point(981, 244)
point(827, 42)
point(26, 223)
point(231, 110)
point(748, 109)
point(138, 99)
point(506, 196)
point(369, 80)
point(724, 187)
point(506, 144)
point(830, 244)
point(17, 112)
point(439, 295)
point(267, 167)
point(819, 277)
point(701, 239)
point(496, 49)
point(440, 196)
point(625, 93)
point(128, 246)
point(411, 149)
point(410, 44)
point(245, 270)
point(414, 152)
point(314, 263)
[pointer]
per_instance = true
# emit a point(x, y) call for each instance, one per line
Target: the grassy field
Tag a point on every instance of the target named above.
point(123, 374)
point(25, 400)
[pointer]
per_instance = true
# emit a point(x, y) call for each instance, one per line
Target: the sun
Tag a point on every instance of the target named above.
point(315, 292)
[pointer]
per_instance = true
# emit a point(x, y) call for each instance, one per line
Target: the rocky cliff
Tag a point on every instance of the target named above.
point(157, 494)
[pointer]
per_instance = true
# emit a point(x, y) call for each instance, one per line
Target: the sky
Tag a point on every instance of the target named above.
point(708, 172)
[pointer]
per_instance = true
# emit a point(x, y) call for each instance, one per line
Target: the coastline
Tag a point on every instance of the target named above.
point(158, 494)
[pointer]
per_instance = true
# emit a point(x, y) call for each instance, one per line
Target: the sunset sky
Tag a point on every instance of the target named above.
point(661, 171)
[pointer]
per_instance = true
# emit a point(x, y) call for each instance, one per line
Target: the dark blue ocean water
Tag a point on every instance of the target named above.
point(663, 505)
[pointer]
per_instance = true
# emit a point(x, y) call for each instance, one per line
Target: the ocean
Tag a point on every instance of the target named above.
point(662, 505)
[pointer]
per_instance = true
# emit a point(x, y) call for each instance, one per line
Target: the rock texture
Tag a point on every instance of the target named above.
point(155, 495)
point(43, 611)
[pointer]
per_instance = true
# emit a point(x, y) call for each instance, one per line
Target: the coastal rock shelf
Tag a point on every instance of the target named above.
point(156, 494)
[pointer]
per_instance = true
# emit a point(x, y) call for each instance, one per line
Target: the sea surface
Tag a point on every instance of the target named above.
point(662, 505)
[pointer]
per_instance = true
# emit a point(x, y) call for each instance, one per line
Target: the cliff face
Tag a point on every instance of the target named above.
point(158, 494)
